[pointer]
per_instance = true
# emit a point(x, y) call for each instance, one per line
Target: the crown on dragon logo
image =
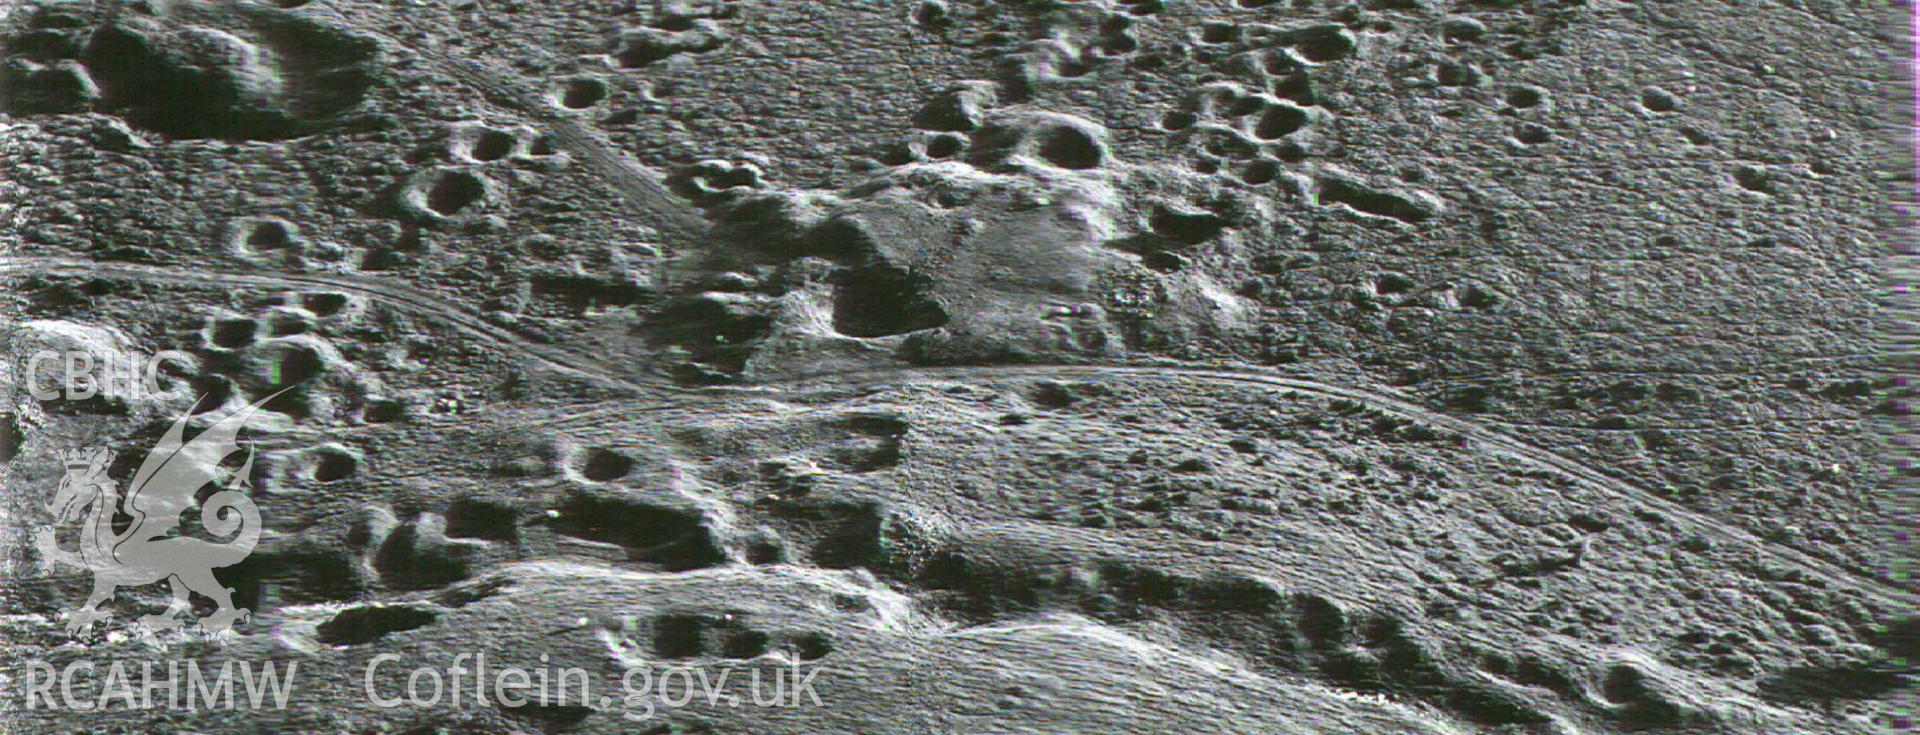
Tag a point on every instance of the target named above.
point(89, 463)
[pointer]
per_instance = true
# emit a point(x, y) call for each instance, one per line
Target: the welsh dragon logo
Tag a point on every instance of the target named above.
point(151, 548)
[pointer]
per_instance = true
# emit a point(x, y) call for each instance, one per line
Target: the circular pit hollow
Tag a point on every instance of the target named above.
point(492, 145)
point(383, 411)
point(232, 334)
point(295, 364)
point(931, 14)
point(1119, 44)
point(1280, 121)
point(10, 438)
point(1280, 63)
point(582, 93)
point(812, 646)
point(213, 392)
point(1392, 283)
point(1164, 261)
point(1260, 171)
point(324, 304)
point(601, 464)
point(746, 645)
point(286, 324)
point(1658, 100)
point(453, 191)
point(1522, 98)
point(1216, 32)
point(944, 146)
point(332, 465)
point(1069, 147)
point(268, 234)
point(765, 552)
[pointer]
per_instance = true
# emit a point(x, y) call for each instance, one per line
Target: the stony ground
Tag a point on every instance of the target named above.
point(1026, 366)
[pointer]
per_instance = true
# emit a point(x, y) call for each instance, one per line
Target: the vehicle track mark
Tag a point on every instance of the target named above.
point(812, 386)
